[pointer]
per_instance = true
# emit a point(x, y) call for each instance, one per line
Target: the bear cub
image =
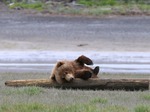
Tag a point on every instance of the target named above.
point(66, 71)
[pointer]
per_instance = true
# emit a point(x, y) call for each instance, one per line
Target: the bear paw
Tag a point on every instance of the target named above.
point(96, 70)
point(86, 75)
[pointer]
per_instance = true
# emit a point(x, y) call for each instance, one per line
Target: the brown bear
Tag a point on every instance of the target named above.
point(66, 71)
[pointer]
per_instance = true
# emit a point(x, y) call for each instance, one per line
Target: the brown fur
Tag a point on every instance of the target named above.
point(66, 71)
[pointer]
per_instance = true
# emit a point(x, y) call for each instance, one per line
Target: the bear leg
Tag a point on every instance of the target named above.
point(96, 70)
point(84, 60)
point(83, 74)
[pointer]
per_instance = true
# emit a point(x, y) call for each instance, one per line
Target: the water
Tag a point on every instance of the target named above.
point(43, 61)
point(107, 68)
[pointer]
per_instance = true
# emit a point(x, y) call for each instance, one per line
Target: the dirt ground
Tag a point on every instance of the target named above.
point(24, 31)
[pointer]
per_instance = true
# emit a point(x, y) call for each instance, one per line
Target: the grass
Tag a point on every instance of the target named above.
point(146, 97)
point(89, 7)
point(144, 7)
point(142, 108)
point(97, 11)
point(37, 99)
point(126, 9)
point(99, 100)
point(37, 6)
point(24, 90)
point(115, 108)
point(97, 2)
point(32, 107)
point(37, 107)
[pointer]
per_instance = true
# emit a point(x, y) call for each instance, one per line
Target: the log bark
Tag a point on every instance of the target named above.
point(95, 84)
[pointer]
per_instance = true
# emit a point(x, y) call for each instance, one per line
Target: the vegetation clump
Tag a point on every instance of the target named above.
point(98, 2)
point(146, 97)
point(99, 100)
point(37, 6)
point(142, 108)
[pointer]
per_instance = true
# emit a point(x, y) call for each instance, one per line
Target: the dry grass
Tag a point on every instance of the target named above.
point(29, 99)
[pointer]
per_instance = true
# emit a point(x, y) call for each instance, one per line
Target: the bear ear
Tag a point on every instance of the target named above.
point(59, 63)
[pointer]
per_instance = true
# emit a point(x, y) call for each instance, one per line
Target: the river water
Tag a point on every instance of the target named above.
point(43, 61)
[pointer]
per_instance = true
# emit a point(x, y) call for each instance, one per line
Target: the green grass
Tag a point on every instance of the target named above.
point(89, 7)
point(24, 90)
point(144, 7)
point(109, 2)
point(99, 100)
point(96, 11)
point(103, 10)
point(31, 107)
point(38, 107)
point(142, 108)
point(146, 97)
point(97, 2)
point(115, 108)
point(37, 6)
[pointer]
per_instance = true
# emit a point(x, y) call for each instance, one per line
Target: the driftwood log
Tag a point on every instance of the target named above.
point(95, 84)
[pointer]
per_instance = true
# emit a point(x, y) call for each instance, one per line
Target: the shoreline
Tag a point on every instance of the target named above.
point(100, 57)
point(43, 61)
point(143, 69)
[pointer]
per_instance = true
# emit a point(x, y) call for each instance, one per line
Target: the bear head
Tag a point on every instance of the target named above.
point(65, 72)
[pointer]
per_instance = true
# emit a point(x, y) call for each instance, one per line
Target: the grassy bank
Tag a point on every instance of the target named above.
point(37, 99)
point(88, 7)
point(37, 107)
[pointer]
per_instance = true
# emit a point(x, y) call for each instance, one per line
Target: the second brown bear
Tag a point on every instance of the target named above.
point(66, 71)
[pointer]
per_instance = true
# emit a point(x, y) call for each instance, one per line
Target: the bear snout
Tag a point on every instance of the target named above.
point(69, 77)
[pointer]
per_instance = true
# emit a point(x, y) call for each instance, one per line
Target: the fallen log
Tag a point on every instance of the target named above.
point(94, 84)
